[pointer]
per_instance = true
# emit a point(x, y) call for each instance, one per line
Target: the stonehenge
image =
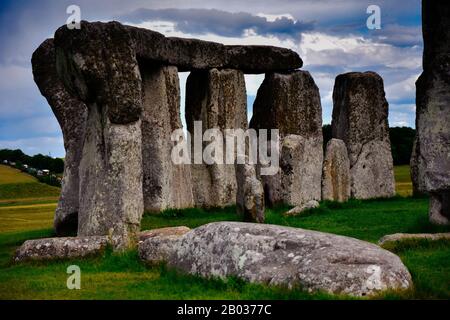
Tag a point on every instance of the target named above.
point(360, 119)
point(431, 156)
point(115, 91)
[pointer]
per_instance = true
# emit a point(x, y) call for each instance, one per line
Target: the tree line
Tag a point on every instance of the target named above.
point(39, 161)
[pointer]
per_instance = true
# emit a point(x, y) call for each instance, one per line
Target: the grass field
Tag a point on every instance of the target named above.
point(122, 276)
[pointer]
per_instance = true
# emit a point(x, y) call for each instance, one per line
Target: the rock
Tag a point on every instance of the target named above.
point(301, 208)
point(60, 248)
point(360, 119)
point(218, 99)
point(290, 102)
point(166, 185)
point(163, 232)
point(193, 54)
point(413, 236)
point(286, 256)
point(432, 145)
point(111, 197)
point(248, 59)
point(71, 114)
point(336, 172)
point(250, 194)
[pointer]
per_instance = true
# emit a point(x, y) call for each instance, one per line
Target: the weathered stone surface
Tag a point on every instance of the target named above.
point(290, 102)
point(413, 236)
point(193, 54)
point(298, 179)
point(163, 232)
point(60, 248)
point(166, 185)
point(218, 99)
point(98, 64)
point(311, 204)
point(250, 194)
point(432, 145)
point(71, 114)
point(279, 255)
point(360, 119)
point(336, 172)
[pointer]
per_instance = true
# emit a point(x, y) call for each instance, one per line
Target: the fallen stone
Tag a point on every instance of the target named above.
point(300, 209)
point(432, 144)
point(250, 194)
point(413, 236)
point(336, 172)
point(277, 255)
point(360, 119)
point(218, 99)
point(166, 185)
point(163, 232)
point(60, 248)
point(71, 114)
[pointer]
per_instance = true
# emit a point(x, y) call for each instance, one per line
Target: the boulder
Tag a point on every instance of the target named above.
point(71, 114)
point(278, 255)
point(360, 119)
point(413, 236)
point(432, 144)
point(61, 248)
point(311, 204)
point(218, 99)
point(290, 102)
point(111, 197)
point(165, 184)
point(250, 194)
point(336, 172)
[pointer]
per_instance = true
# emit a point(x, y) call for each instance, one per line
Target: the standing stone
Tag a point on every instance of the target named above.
point(290, 102)
point(166, 185)
point(360, 119)
point(432, 145)
point(218, 99)
point(250, 194)
point(111, 198)
point(336, 172)
point(71, 114)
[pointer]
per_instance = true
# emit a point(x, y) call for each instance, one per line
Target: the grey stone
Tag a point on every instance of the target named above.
point(250, 194)
point(336, 172)
point(218, 99)
point(413, 236)
point(290, 102)
point(360, 119)
point(286, 256)
point(166, 185)
point(60, 248)
point(311, 204)
point(71, 114)
point(111, 197)
point(432, 145)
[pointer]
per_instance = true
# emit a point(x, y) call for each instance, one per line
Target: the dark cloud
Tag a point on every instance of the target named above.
point(222, 23)
point(399, 35)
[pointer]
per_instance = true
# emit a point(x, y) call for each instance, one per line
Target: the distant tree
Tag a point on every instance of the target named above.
point(38, 161)
point(326, 131)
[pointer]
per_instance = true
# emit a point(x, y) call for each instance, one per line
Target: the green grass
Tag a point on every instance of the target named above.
point(123, 276)
point(403, 184)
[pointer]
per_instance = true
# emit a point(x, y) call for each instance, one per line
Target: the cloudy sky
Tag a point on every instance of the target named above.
point(331, 36)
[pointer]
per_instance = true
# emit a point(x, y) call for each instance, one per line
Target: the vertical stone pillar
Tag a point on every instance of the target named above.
point(71, 114)
point(218, 99)
point(98, 63)
point(290, 102)
point(431, 156)
point(166, 185)
point(360, 119)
